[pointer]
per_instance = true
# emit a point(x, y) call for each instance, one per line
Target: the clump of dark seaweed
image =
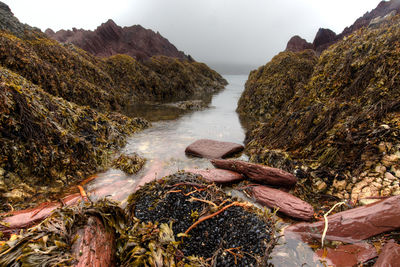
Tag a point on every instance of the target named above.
point(129, 164)
point(210, 226)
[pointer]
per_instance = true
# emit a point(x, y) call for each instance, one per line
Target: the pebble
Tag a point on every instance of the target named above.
point(390, 176)
point(389, 160)
point(2, 172)
point(339, 185)
point(367, 201)
point(380, 169)
point(320, 185)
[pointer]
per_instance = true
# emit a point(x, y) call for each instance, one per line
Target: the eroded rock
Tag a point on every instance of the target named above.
point(218, 175)
point(212, 149)
point(257, 172)
point(352, 225)
point(287, 203)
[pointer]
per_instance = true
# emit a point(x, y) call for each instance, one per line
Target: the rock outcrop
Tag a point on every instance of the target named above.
point(390, 255)
point(326, 37)
point(298, 44)
point(341, 121)
point(218, 176)
point(110, 39)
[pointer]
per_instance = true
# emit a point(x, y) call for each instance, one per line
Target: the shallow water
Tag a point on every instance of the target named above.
point(163, 145)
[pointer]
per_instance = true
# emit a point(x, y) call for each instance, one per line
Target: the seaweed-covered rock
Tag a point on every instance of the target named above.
point(129, 164)
point(211, 227)
point(269, 88)
point(348, 107)
point(48, 140)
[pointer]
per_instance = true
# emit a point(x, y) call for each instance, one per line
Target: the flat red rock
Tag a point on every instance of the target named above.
point(390, 255)
point(258, 172)
point(287, 203)
point(211, 149)
point(352, 225)
point(347, 255)
point(217, 175)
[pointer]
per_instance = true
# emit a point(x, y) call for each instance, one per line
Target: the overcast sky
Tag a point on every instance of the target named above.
point(229, 31)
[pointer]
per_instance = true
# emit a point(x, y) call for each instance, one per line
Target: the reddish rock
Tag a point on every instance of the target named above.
point(323, 39)
point(390, 255)
point(347, 255)
point(206, 148)
point(26, 218)
point(298, 44)
point(257, 172)
point(352, 225)
point(287, 203)
point(110, 39)
point(217, 175)
point(95, 245)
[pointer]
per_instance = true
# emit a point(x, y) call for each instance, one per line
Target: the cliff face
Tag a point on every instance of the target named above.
point(110, 39)
point(344, 119)
point(326, 37)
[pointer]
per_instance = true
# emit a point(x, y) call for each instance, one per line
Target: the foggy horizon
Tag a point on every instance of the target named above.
point(243, 34)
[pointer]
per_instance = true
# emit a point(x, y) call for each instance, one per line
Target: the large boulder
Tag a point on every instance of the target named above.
point(352, 225)
point(206, 148)
point(258, 172)
point(287, 203)
point(323, 39)
point(217, 175)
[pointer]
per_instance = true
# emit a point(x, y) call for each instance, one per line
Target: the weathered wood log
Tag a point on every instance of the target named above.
point(352, 225)
point(287, 203)
point(260, 173)
point(211, 149)
point(218, 175)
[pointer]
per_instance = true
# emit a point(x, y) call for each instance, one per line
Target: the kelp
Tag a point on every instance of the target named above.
point(205, 224)
point(348, 107)
point(49, 141)
point(129, 164)
point(180, 220)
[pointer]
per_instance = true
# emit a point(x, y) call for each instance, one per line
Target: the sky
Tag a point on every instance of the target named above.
point(237, 32)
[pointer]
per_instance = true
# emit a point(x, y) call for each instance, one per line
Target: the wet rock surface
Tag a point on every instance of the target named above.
point(212, 149)
point(352, 225)
point(236, 230)
point(287, 203)
point(347, 255)
point(257, 172)
point(217, 175)
point(389, 256)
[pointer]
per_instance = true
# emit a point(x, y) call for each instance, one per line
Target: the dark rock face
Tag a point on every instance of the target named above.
point(11, 24)
point(297, 44)
point(217, 175)
point(390, 255)
point(353, 225)
point(110, 39)
point(287, 203)
point(211, 149)
point(257, 172)
point(326, 37)
point(348, 255)
point(323, 39)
